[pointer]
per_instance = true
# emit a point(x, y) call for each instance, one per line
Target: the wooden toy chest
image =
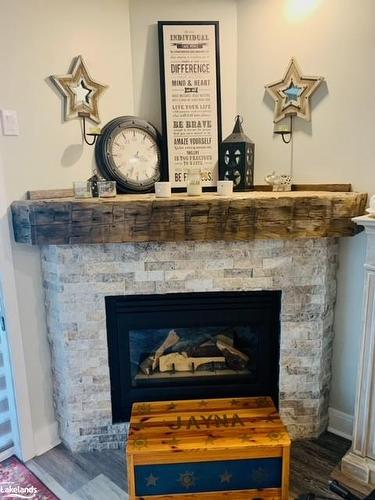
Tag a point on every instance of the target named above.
point(213, 449)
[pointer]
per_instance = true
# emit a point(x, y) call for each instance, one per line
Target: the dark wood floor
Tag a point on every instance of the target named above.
point(92, 475)
point(313, 461)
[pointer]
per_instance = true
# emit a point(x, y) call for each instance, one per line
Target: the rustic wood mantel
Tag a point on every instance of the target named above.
point(137, 218)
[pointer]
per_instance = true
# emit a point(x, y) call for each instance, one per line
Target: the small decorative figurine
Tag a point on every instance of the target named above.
point(237, 159)
point(282, 182)
point(371, 209)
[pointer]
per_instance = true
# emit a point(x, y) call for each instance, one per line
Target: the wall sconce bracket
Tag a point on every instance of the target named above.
point(94, 133)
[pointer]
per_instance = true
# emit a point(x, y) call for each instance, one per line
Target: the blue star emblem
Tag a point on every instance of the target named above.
point(259, 475)
point(293, 92)
point(226, 477)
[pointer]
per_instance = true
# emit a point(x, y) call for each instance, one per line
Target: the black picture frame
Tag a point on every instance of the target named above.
point(164, 104)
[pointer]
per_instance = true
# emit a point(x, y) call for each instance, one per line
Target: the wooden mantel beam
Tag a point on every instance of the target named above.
point(140, 218)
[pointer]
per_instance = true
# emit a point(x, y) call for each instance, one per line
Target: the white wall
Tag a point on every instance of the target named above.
point(39, 38)
point(335, 39)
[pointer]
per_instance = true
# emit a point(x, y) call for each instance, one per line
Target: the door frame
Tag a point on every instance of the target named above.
point(23, 439)
point(24, 445)
point(5, 351)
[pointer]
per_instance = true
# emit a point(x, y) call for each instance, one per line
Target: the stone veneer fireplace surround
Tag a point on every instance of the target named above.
point(77, 278)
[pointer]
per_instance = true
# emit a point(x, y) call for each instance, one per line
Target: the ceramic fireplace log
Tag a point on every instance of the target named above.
point(205, 350)
point(203, 345)
point(234, 358)
point(180, 362)
point(170, 341)
point(150, 364)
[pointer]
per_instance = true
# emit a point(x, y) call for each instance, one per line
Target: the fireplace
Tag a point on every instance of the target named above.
point(192, 346)
point(80, 279)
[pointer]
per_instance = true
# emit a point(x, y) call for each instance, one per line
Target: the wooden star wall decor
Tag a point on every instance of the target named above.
point(80, 92)
point(292, 93)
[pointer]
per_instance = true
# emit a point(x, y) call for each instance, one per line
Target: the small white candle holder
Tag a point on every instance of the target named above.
point(82, 189)
point(224, 188)
point(107, 189)
point(163, 189)
point(194, 182)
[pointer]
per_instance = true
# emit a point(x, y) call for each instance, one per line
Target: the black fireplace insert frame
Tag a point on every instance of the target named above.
point(125, 313)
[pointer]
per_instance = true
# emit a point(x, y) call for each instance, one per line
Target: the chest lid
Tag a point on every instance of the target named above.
point(205, 425)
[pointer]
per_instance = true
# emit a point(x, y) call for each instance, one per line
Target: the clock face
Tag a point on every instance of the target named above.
point(128, 152)
point(135, 155)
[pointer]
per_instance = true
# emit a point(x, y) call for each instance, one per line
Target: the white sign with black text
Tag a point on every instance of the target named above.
point(191, 99)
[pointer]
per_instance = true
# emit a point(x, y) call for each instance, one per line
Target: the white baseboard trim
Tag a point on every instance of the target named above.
point(46, 438)
point(7, 453)
point(340, 423)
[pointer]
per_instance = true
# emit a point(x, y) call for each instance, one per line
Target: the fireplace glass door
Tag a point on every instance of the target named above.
point(192, 346)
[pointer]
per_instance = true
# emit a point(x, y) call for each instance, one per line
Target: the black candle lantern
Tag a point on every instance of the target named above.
point(237, 159)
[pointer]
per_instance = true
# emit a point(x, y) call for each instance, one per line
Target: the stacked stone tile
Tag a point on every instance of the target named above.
point(78, 277)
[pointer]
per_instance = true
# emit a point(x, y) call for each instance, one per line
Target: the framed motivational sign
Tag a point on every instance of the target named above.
point(190, 94)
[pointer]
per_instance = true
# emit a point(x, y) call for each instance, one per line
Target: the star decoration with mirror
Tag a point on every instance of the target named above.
point(81, 93)
point(292, 93)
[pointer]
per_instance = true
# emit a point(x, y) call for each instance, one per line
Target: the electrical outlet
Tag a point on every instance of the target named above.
point(9, 121)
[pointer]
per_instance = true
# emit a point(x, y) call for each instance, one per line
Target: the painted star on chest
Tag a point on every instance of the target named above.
point(151, 480)
point(203, 403)
point(138, 426)
point(144, 408)
point(173, 442)
point(262, 402)
point(80, 92)
point(292, 94)
point(211, 439)
point(225, 477)
point(259, 475)
point(245, 438)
